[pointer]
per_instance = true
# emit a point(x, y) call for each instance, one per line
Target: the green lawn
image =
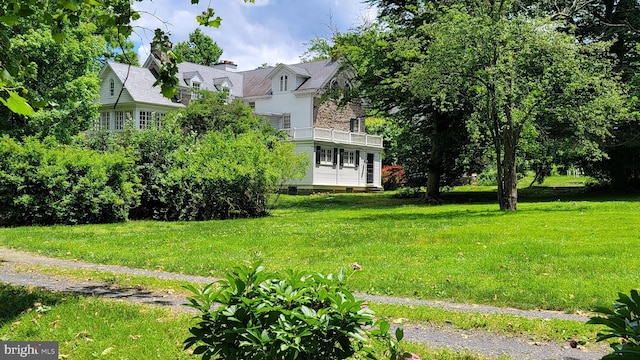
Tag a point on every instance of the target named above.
point(562, 250)
point(92, 328)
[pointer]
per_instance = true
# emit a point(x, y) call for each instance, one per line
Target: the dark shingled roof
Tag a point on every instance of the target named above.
point(258, 83)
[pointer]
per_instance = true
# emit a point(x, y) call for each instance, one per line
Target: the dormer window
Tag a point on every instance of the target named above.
point(195, 90)
point(284, 83)
point(112, 88)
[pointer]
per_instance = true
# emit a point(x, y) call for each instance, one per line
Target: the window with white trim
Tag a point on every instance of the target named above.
point(157, 117)
point(326, 156)
point(349, 158)
point(284, 83)
point(120, 119)
point(354, 125)
point(105, 120)
point(195, 90)
point(112, 88)
point(145, 119)
point(286, 121)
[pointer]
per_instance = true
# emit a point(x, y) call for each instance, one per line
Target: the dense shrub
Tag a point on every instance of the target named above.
point(220, 176)
point(206, 175)
point(153, 149)
point(44, 183)
point(393, 177)
point(253, 314)
point(488, 178)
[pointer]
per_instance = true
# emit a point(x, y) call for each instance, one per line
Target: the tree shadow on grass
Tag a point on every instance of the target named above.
point(320, 202)
point(16, 300)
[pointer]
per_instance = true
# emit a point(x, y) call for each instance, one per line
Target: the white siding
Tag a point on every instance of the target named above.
point(300, 108)
point(105, 90)
point(339, 177)
point(299, 81)
point(305, 148)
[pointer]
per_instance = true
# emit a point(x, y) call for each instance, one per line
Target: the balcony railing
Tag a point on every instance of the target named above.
point(335, 136)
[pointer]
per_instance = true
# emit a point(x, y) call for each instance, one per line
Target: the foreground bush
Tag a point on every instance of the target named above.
point(253, 314)
point(623, 324)
point(43, 183)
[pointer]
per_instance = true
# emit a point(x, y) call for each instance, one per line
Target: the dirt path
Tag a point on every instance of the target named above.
point(475, 341)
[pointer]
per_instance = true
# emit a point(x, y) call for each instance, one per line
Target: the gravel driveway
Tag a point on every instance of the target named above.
point(475, 341)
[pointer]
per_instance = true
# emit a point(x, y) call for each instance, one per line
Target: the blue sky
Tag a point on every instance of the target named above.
point(267, 31)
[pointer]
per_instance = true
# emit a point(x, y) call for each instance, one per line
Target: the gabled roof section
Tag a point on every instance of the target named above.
point(299, 71)
point(218, 82)
point(190, 75)
point(209, 76)
point(318, 73)
point(138, 81)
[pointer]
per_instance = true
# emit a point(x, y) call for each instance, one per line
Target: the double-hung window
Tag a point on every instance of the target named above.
point(354, 125)
point(195, 90)
point(284, 83)
point(349, 158)
point(326, 156)
point(145, 119)
point(158, 119)
point(286, 121)
point(105, 120)
point(120, 119)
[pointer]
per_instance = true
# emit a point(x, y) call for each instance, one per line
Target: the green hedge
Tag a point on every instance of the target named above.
point(43, 183)
point(220, 176)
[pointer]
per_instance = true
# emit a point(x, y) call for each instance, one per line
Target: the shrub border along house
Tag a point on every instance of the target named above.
point(44, 182)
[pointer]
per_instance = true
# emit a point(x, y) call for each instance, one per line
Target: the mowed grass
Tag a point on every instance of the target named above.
point(561, 250)
point(92, 328)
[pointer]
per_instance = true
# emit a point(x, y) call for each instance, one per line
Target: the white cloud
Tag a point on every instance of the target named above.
point(267, 31)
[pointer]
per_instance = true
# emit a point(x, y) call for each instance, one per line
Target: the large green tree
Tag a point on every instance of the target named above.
point(382, 55)
point(61, 79)
point(59, 16)
point(524, 78)
point(617, 21)
point(199, 49)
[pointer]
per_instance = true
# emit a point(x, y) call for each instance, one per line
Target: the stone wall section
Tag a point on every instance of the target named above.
point(329, 115)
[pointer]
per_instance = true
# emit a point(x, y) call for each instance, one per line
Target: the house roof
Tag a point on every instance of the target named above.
point(209, 76)
point(253, 83)
point(138, 82)
point(318, 73)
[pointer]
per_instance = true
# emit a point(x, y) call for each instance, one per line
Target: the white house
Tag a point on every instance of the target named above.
point(343, 157)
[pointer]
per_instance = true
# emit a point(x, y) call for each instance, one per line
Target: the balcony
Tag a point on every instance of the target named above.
point(335, 136)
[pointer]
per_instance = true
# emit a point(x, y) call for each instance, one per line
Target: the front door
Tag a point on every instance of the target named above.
point(369, 168)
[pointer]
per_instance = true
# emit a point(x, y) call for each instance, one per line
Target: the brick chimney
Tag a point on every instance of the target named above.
point(226, 65)
point(158, 53)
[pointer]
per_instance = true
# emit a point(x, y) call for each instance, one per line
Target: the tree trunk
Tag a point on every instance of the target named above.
point(436, 167)
point(508, 176)
point(433, 184)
